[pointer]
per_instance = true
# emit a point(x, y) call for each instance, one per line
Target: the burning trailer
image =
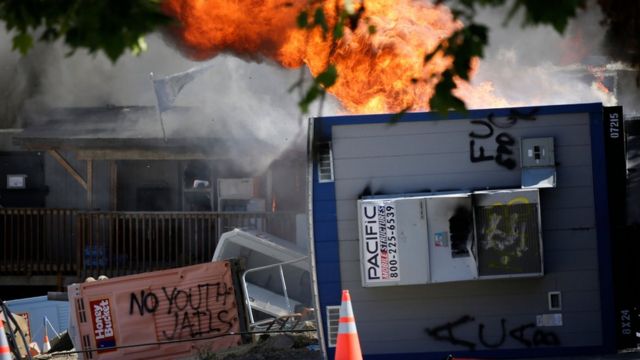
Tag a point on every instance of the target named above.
point(491, 233)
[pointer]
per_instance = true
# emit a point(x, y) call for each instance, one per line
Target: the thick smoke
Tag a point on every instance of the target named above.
point(532, 66)
point(15, 83)
point(538, 66)
point(239, 98)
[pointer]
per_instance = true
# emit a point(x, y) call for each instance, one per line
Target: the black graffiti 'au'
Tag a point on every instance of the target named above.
point(527, 334)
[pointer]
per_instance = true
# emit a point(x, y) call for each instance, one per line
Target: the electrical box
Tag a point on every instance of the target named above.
point(538, 163)
point(444, 237)
point(537, 152)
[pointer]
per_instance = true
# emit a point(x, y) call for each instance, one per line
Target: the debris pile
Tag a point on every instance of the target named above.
point(274, 347)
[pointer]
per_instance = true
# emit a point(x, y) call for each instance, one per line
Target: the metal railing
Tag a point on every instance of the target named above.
point(37, 241)
point(283, 284)
point(82, 243)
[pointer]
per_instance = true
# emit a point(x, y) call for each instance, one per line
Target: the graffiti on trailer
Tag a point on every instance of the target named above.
point(196, 311)
point(534, 338)
point(504, 153)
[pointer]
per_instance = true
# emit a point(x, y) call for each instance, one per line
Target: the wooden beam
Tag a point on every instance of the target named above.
point(134, 154)
point(89, 184)
point(65, 164)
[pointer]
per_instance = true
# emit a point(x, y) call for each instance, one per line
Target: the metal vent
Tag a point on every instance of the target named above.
point(555, 300)
point(333, 318)
point(86, 342)
point(82, 314)
point(325, 162)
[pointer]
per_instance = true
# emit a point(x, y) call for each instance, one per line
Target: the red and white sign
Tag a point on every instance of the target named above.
point(103, 329)
point(379, 242)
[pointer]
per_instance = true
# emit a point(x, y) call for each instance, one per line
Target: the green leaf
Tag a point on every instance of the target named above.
point(338, 29)
point(108, 26)
point(538, 12)
point(303, 19)
point(321, 20)
point(469, 44)
point(328, 77)
point(443, 99)
point(139, 47)
point(22, 42)
point(312, 94)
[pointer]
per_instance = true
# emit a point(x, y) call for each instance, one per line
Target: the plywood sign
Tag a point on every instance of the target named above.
point(161, 315)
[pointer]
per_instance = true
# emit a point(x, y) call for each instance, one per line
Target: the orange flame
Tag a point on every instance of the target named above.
point(379, 72)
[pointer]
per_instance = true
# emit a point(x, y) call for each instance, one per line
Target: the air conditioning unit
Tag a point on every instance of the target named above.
point(241, 188)
point(444, 237)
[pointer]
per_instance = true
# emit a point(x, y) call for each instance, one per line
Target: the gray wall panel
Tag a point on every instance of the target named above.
point(545, 125)
point(432, 142)
point(568, 177)
point(588, 301)
point(570, 239)
point(568, 218)
point(567, 197)
point(349, 250)
point(348, 229)
point(441, 163)
point(575, 259)
point(578, 280)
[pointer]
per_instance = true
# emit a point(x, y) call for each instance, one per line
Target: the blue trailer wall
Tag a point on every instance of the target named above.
point(426, 152)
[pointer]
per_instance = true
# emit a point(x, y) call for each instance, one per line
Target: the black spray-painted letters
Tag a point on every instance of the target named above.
point(534, 338)
point(504, 154)
point(191, 308)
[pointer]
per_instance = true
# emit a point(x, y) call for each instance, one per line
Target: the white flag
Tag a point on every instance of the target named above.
point(168, 87)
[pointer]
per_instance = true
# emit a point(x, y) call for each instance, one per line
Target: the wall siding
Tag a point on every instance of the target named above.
point(422, 156)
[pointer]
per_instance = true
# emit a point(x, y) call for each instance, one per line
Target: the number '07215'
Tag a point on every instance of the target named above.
point(614, 126)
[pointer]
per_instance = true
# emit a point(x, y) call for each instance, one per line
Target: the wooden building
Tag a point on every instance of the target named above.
point(111, 190)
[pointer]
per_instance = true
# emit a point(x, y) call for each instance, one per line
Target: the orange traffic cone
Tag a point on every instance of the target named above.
point(5, 351)
point(347, 344)
point(45, 343)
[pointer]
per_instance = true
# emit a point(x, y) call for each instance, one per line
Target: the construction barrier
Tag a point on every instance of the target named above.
point(5, 351)
point(46, 346)
point(347, 344)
